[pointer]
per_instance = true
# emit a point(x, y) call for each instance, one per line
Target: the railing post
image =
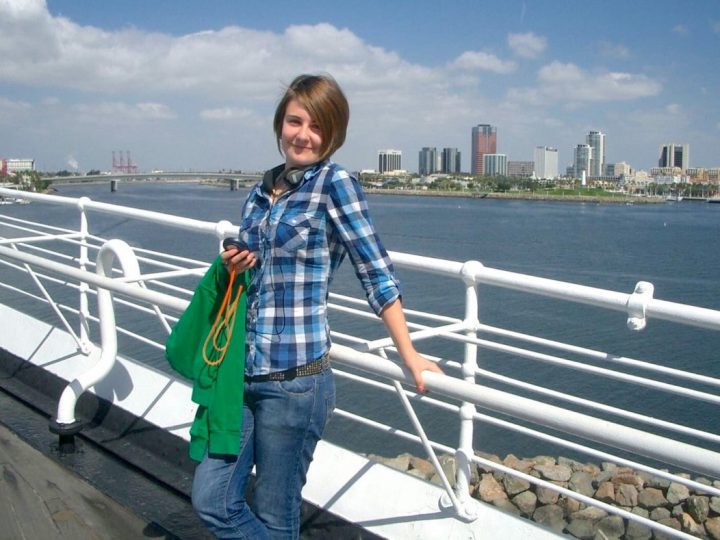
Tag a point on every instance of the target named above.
point(465, 451)
point(84, 333)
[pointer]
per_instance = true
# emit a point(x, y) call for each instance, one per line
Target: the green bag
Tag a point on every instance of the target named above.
point(217, 388)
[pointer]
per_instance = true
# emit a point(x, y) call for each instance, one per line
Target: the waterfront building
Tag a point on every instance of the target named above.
point(596, 141)
point(546, 162)
point(703, 175)
point(665, 171)
point(713, 175)
point(636, 180)
point(582, 157)
point(484, 141)
point(495, 165)
point(427, 161)
point(389, 160)
point(450, 162)
point(520, 169)
point(618, 169)
point(668, 179)
point(675, 155)
point(12, 166)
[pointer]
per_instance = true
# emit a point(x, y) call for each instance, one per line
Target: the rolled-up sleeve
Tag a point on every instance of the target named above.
point(347, 208)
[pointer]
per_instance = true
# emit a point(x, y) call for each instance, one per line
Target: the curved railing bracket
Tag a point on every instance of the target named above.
point(65, 424)
point(637, 305)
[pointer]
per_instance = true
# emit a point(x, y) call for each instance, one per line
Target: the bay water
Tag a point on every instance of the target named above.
point(676, 246)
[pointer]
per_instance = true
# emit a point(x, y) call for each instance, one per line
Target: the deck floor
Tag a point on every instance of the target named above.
point(41, 499)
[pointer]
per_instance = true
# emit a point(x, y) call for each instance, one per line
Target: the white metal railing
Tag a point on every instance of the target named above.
point(41, 252)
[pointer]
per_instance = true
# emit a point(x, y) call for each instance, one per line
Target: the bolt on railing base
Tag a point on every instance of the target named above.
point(66, 435)
point(464, 512)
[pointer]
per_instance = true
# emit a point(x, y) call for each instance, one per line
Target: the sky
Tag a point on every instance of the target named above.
point(187, 85)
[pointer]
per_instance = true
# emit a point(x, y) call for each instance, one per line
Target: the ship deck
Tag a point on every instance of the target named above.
point(87, 494)
point(41, 499)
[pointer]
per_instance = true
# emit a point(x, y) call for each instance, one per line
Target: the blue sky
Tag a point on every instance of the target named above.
point(192, 85)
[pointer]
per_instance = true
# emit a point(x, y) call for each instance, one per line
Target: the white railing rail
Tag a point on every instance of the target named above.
point(639, 305)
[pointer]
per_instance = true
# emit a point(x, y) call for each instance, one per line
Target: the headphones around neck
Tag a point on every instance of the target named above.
point(292, 176)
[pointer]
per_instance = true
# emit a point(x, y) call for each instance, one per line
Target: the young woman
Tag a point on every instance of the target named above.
point(299, 224)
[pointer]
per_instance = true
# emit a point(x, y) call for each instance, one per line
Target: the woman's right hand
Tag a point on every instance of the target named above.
point(241, 260)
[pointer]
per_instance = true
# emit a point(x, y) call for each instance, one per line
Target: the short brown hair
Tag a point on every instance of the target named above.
point(324, 100)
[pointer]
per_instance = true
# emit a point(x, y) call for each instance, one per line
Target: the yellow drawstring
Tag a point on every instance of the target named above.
point(224, 320)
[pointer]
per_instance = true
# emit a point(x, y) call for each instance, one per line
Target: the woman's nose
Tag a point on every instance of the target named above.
point(302, 132)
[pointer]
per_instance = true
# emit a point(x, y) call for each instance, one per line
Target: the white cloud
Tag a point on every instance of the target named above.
point(569, 83)
point(230, 62)
point(122, 113)
point(9, 105)
point(559, 73)
point(213, 92)
point(527, 45)
point(716, 27)
point(680, 29)
point(478, 60)
point(614, 50)
point(226, 113)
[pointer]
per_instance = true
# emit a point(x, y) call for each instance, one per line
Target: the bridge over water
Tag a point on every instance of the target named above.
point(233, 179)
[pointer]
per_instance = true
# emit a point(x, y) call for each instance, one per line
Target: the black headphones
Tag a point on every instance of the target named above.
point(292, 176)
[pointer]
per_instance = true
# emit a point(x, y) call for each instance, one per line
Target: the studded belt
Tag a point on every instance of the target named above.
point(311, 368)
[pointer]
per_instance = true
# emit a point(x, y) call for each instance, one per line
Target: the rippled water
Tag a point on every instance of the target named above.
point(674, 246)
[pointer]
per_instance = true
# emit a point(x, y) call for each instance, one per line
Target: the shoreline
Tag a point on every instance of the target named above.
point(622, 199)
point(522, 196)
point(692, 510)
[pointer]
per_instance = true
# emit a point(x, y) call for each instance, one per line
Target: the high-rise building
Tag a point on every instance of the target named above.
point(675, 155)
point(484, 141)
point(581, 160)
point(450, 161)
point(596, 141)
point(546, 162)
point(495, 165)
point(427, 162)
point(520, 169)
point(389, 160)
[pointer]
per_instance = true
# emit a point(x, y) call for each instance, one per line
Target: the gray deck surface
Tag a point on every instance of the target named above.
point(40, 499)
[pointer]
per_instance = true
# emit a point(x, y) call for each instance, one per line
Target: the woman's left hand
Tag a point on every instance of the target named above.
point(241, 260)
point(417, 363)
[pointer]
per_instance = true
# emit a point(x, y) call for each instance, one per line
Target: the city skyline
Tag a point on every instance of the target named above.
point(188, 86)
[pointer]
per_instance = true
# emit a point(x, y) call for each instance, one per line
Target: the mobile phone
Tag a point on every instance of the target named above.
point(236, 243)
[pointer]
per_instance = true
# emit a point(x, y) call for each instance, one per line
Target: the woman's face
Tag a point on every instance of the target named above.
point(301, 138)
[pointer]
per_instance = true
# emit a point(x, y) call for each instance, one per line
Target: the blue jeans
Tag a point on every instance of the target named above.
point(282, 423)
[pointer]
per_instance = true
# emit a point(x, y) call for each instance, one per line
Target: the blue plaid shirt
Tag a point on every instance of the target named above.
point(299, 241)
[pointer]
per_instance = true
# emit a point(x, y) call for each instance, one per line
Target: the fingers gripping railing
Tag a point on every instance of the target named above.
point(588, 427)
point(65, 424)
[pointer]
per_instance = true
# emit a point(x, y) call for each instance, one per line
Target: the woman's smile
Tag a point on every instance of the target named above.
point(301, 138)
